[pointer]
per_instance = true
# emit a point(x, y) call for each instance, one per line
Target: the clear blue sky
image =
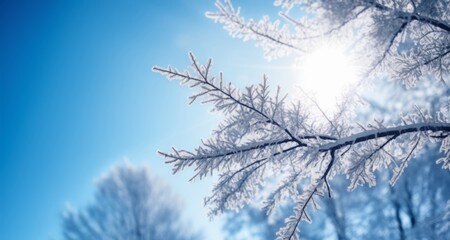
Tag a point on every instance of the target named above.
point(77, 94)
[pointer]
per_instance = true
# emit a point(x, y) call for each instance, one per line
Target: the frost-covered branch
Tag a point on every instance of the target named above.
point(269, 149)
point(262, 135)
point(410, 16)
point(381, 133)
point(383, 30)
point(269, 35)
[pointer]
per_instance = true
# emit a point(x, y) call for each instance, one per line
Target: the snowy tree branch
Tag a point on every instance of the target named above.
point(262, 135)
point(254, 138)
point(410, 16)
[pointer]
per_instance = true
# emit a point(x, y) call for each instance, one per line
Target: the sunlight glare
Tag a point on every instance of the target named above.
point(327, 74)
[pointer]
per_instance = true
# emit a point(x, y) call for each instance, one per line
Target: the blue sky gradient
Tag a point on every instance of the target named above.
point(77, 94)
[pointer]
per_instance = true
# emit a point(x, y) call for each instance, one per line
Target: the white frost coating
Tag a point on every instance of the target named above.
point(419, 127)
point(264, 137)
point(445, 148)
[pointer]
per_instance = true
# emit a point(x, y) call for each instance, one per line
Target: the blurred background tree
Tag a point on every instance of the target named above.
point(129, 204)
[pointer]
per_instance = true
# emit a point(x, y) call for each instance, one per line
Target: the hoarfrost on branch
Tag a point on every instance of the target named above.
point(264, 134)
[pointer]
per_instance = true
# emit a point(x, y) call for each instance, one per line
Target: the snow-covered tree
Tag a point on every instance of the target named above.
point(270, 148)
point(129, 204)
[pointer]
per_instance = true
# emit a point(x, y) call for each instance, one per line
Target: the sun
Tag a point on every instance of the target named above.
point(327, 74)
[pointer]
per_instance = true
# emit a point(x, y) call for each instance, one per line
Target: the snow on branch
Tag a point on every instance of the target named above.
point(262, 137)
point(276, 40)
point(268, 149)
point(381, 30)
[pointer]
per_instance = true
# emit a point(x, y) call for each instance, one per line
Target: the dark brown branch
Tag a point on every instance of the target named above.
point(437, 57)
point(303, 211)
point(373, 134)
point(232, 98)
point(260, 161)
point(278, 41)
point(411, 16)
point(388, 47)
point(228, 153)
point(310, 197)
